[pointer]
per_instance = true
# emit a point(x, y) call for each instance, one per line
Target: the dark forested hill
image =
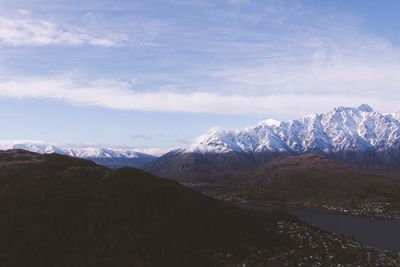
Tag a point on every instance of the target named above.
point(61, 211)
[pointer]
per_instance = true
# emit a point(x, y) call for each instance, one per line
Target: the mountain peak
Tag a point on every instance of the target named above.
point(365, 108)
point(270, 122)
point(361, 108)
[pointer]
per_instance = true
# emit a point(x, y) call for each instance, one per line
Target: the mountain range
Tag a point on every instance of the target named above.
point(110, 157)
point(360, 137)
point(342, 129)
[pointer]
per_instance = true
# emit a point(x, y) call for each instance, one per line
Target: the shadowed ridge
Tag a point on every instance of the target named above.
point(20, 155)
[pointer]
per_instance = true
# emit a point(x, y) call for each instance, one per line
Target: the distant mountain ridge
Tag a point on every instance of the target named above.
point(360, 137)
point(110, 157)
point(341, 129)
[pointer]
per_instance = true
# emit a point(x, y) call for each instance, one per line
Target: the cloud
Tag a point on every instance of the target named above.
point(38, 32)
point(239, 2)
point(114, 95)
point(372, 71)
point(141, 137)
point(185, 140)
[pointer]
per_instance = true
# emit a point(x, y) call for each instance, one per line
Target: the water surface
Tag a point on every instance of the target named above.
point(378, 233)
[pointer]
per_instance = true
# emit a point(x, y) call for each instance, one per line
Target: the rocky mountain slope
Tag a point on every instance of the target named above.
point(342, 129)
point(63, 211)
point(360, 137)
point(110, 157)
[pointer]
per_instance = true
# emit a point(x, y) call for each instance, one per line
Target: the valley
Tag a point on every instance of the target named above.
point(343, 161)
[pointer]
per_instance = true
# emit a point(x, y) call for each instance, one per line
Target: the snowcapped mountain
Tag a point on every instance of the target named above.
point(360, 137)
point(111, 157)
point(341, 129)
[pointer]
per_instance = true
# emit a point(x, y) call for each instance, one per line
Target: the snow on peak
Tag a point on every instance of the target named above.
point(365, 108)
point(343, 128)
point(87, 152)
point(218, 139)
point(361, 108)
point(270, 122)
point(396, 116)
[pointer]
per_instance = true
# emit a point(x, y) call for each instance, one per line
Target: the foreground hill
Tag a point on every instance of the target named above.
point(62, 211)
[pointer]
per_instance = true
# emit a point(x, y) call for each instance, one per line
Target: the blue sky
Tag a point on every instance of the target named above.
point(159, 73)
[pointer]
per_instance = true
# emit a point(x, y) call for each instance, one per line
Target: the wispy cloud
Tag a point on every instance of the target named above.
point(141, 137)
point(37, 32)
point(118, 96)
point(306, 54)
point(368, 66)
point(239, 2)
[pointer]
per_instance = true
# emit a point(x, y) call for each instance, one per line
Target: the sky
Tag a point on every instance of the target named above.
point(158, 73)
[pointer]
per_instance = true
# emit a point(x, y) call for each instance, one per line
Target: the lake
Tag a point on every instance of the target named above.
point(378, 233)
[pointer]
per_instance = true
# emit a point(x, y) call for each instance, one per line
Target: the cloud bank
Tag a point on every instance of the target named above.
point(113, 95)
